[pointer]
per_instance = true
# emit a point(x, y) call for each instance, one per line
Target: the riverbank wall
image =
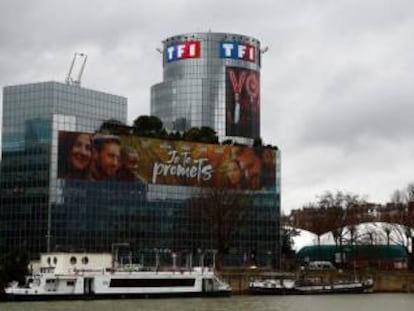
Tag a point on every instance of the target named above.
point(401, 282)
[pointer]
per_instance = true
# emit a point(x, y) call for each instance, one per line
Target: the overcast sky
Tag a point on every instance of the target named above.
point(337, 81)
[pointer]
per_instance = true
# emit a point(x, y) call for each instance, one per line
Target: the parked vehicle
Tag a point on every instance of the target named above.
point(320, 265)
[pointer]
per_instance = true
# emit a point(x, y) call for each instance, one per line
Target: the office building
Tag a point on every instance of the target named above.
point(33, 114)
point(210, 79)
point(162, 202)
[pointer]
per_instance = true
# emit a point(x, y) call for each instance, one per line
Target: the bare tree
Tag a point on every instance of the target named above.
point(388, 229)
point(336, 212)
point(410, 192)
point(398, 197)
point(310, 218)
point(398, 216)
point(403, 204)
point(342, 211)
point(287, 252)
point(220, 213)
point(369, 234)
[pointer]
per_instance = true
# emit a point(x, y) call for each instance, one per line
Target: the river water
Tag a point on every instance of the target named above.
point(368, 302)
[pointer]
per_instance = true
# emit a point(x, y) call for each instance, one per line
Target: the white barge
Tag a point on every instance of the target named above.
point(78, 276)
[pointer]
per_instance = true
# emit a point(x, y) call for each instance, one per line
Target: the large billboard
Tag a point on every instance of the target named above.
point(101, 157)
point(242, 102)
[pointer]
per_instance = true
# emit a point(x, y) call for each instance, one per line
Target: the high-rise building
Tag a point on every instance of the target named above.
point(210, 79)
point(67, 186)
point(33, 114)
point(213, 79)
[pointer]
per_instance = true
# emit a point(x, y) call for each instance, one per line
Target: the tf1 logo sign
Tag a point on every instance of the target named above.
point(190, 49)
point(236, 50)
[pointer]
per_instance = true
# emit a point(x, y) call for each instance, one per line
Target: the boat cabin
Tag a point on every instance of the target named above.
point(68, 263)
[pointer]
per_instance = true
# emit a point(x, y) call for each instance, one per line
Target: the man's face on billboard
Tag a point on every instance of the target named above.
point(108, 159)
point(130, 161)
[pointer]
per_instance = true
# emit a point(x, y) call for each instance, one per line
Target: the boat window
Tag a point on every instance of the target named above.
point(73, 260)
point(151, 282)
point(70, 283)
point(48, 260)
point(85, 260)
point(55, 260)
point(47, 269)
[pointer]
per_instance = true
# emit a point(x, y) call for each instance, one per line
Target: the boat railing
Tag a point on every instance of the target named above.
point(131, 268)
point(86, 271)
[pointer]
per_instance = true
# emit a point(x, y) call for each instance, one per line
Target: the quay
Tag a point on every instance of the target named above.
point(384, 281)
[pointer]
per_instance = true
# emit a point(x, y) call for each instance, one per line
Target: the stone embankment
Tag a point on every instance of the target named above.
point(385, 281)
point(401, 282)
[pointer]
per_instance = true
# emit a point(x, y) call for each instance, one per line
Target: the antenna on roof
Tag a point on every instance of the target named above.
point(264, 50)
point(76, 81)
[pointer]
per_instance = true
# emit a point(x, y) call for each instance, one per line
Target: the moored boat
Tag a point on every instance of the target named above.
point(71, 281)
point(305, 287)
point(272, 287)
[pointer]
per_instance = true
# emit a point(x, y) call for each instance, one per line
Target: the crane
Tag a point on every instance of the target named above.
point(69, 79)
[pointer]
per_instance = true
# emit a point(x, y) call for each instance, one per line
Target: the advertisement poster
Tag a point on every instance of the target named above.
point(242, 102)
point(98, 157)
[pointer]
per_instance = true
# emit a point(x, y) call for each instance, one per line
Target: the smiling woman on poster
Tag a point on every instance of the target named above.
point(235, 175)
point(75, 153)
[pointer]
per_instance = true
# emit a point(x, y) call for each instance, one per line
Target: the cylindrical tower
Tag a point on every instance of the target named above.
point(210, 79)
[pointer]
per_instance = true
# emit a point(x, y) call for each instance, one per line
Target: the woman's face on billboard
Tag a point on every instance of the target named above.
point(234, 173)
point(81, 153)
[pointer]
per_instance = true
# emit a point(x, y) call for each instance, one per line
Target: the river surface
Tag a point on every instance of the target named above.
point(368, 302)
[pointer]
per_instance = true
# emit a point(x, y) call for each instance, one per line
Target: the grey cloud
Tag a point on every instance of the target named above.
point(358, 102)
point(336, 82)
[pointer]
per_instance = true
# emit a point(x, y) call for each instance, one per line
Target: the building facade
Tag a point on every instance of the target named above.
point(210, 79)
point(185, 198)
point(213, 79)
point(33, 114)
point(159, 197)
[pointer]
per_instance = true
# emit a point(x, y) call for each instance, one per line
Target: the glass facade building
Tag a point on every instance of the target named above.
point(32, 116)
point(213, 79)
point(182, 203)
point(210, 79)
